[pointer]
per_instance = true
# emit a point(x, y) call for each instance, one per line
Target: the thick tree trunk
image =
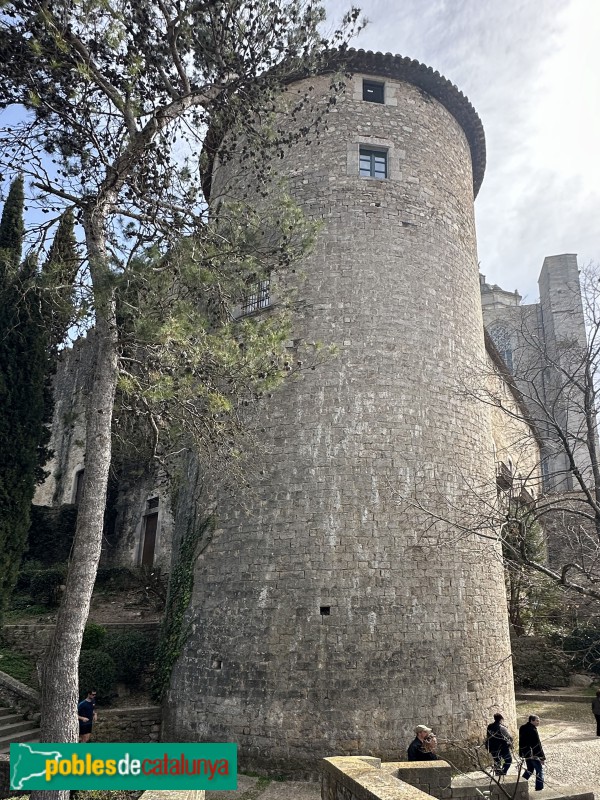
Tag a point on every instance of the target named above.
point(60, 668)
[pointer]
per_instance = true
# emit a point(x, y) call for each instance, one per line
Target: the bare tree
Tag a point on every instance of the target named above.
point(545, 502)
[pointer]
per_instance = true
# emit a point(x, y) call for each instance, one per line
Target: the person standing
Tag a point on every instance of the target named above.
point(596, 710)
point(498, 742)
point(86, 714)
point(423, 746)
point(530, 748)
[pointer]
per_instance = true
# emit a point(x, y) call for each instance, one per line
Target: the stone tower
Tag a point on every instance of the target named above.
point(326, 618)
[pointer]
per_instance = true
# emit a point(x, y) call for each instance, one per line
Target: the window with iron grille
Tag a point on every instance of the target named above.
point(373, 91)
point(259, 297)
point(373, 163)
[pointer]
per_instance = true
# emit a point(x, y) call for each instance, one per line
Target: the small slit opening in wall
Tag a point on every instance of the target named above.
point(325, 611)
point(217, 664)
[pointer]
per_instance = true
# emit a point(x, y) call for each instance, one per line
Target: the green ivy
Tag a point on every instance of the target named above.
point(174, 632)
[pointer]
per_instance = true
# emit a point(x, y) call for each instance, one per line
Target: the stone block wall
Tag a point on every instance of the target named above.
point(33, 638)
point(127, 724)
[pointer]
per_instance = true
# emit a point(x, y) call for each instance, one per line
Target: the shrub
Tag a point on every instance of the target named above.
point(93, 637)
point(51, 533)
point(537, 664)
point(114, 578)
point(97, 671)
point(18, 666)
point(582, 645)
point(132, 653)
point(44, 585)
point(26, 573)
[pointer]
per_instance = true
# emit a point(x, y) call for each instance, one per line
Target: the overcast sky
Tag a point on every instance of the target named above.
point(531, 69)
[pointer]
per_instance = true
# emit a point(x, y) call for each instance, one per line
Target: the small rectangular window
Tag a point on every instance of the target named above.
point(373, 91)
point(259, 297)
point(373, 163)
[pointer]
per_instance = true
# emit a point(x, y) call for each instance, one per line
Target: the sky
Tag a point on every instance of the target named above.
point(531, 70)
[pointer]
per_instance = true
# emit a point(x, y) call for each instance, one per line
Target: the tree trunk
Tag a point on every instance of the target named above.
point(60, 667)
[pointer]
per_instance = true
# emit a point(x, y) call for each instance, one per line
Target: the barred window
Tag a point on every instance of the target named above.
point(259, 297)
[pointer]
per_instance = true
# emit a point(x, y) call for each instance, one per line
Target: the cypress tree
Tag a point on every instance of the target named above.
point(58, 277)
point(27, 350)
point(12, 227)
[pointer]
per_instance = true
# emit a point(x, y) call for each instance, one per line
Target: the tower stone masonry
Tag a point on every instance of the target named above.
point(326, 619)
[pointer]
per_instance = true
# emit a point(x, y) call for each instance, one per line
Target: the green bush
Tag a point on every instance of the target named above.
point(44, 585)
point(51, 533)
point(132, 653)
point(114, 578)
point(18, 666)
point(582, 646)
point(97, 671)
point(26, 573)
point(93, 637)
point(537, 664)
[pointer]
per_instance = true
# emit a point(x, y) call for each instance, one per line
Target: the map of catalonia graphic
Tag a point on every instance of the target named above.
point(18, 780)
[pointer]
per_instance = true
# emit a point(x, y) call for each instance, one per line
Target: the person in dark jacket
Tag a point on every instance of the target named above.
point(498, 742)
point(423, 745)
point(530, 748)
point(596, 711)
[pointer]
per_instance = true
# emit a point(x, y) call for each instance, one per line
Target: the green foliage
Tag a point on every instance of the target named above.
point(25, 401)
point(114, 578)
point(535, 603)
point(12, 228)
point(51, 533)
point(45, 585)
point(58, 278)
point(97, 670)
point(188, 366)
point(18, 666)
point(94, 637)
point(132, 653)
point(104, 794)
point(29, 335)
point(174, 632)
point(26, 573)
point(582, 645)
point(538, 664)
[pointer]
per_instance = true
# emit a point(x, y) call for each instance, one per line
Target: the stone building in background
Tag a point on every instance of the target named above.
point(543, 345)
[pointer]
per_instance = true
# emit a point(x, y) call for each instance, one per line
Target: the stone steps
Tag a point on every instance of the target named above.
point(15, 728)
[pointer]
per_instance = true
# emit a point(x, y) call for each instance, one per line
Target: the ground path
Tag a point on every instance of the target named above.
point(567, 731)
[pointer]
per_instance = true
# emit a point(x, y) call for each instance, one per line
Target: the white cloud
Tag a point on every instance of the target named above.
point(529, 69)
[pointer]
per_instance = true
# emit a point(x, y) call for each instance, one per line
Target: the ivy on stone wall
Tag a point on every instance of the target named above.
point(175, 632)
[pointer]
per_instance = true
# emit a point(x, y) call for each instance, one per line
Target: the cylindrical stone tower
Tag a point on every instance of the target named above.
point(327, 619)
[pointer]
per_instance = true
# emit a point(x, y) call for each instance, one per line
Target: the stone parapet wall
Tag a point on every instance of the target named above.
point(432, 777)
point(15, 694)
point(128, 724)
point(33, 638)
point(361, 778)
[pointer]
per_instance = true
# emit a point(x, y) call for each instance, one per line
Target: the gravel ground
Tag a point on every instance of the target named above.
point(572, 748)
